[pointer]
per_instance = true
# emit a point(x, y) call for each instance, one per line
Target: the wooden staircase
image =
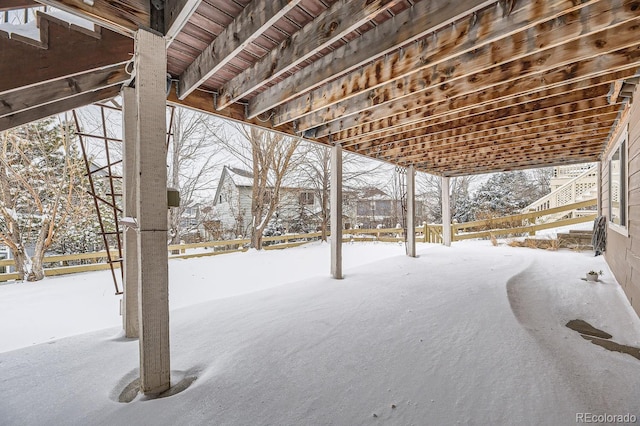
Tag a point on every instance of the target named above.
point(42, 84)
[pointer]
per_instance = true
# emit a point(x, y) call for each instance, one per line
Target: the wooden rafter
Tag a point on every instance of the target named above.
point(423, 18)
point(256, 18)
point(336, 22)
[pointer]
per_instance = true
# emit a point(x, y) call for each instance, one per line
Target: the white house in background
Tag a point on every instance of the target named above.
point(297, 207)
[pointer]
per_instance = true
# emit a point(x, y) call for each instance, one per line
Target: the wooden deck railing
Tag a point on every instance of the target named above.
point(428, 233)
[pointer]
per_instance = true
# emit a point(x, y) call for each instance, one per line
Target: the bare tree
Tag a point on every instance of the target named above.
point(270, 156)
point(315, 173)
point(192, 154)
point(430, 189)
point(40, 172)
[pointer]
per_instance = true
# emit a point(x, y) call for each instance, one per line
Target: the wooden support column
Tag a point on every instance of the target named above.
point(446, 211)
point(150, 81)
point(130, 318)
point(411, 211)
point(336, 211)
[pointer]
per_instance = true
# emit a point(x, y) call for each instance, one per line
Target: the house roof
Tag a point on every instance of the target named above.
point(239, 177)
point(452, 88)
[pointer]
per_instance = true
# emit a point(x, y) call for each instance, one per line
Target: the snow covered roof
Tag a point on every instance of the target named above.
point(239, 177)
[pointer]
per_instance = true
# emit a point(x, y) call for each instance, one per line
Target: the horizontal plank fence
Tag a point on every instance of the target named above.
point(428, 233)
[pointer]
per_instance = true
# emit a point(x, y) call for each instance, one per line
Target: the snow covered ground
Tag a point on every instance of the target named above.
point(471, 334)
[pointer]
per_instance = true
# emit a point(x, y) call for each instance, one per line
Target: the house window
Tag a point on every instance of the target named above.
point(306, 198)
point(618, 184)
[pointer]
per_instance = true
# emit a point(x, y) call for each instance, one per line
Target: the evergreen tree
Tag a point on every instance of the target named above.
point(504, 194)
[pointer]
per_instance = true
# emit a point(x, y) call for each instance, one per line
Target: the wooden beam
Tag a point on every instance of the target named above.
point(484, 101)
point(500, 157)
point(17, 4)
point(467, 150)
point(423, 18)
point(476, 31)
point(342, 18)
point(436, 115)
point(54, 91)
point(475, 170)
point(176, 15)
point(477, 70)
point(254, 19)
point(59, 107)
point(468, 143)
point(546, 125)
point(547, 101)
point(81, 52)
point(203, 102)
point(531, 89)
point(122, 16)
point(566, 103)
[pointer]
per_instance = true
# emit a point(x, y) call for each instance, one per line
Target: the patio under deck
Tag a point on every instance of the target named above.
point(446, 87)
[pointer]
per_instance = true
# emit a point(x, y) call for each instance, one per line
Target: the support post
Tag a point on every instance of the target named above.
point(411, 211)
point(446, 211)
point(599, 188)
point(130, 261)
point(150, 72)
point(336, 212)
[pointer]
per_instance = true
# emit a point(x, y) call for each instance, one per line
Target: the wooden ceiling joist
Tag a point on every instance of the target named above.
point(527, 89)
point(561, 94)
point(58, 107)
point(485, 27)
point(483, 69)
point(176, 15)
point(452, 88)
point(254, 20)
point(504, 143)
point(336, 22)
point(122, 16)
point(496, 136)
point(423, 18)
point(30, 97)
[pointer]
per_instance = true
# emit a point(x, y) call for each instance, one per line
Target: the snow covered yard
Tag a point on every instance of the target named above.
point(471, 334)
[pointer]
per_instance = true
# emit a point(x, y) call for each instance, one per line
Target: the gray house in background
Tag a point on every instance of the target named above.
point(297, 209)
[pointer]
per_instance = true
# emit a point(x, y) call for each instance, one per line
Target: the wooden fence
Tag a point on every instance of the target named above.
point(429, 233)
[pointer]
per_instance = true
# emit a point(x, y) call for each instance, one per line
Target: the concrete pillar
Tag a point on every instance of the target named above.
point(336, 211)
point(130, 209)
point(446, 211)
point(150, 81)
point(411, 211)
